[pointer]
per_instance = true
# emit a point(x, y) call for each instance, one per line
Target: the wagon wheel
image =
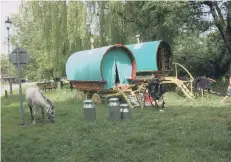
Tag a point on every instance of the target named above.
point(142, 88)
point(105, 101)
point(96, 98)
point(80, 96)
point(141, 95)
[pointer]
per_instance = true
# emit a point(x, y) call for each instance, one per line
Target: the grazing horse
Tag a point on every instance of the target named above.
point(202, 83)
point(35, 100)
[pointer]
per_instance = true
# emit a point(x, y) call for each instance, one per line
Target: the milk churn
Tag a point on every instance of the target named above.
point(132, 99)
point(125, 113)
point(89, 110)
point(114, 109)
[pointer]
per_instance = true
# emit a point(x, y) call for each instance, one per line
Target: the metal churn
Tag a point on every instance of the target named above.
point(89, 110)
point(125, 113)
point(114, 109)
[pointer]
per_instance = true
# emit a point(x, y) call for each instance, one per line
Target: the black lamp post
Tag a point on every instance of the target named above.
point(8, 25)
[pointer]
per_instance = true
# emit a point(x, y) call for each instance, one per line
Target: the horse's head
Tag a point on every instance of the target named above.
point(50, 110)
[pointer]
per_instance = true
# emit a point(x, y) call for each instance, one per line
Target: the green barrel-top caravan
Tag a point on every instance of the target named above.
point(155, 56)
point(100, 68)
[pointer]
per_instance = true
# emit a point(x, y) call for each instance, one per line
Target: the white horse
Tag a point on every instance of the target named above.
point(35, 100)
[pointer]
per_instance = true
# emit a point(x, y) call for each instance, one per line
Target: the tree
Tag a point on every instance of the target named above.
point(221, 13)
point(222, 20)
point(52, 31)
point(4, 64)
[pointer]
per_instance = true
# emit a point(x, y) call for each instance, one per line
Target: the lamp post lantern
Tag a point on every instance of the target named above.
point(8, 25)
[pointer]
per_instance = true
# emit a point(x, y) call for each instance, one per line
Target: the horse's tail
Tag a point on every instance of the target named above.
point(195, 82)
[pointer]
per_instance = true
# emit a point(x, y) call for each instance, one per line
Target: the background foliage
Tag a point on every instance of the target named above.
point(198, 32)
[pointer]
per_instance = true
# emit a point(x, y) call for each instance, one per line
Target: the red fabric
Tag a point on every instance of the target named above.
point(148, 99)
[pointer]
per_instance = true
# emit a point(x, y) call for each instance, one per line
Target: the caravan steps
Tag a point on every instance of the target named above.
point(181, 85)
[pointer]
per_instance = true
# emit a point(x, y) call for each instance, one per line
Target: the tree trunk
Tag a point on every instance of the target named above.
point(223, 27)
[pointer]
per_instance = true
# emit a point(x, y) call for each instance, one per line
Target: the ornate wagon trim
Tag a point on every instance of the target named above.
point(88, 85)
point(88, 81)
point(161, 43)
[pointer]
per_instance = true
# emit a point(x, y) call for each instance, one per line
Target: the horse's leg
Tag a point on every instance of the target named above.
point(32, 117)
point(42, 112)
point(35, 113)
point(208, 93)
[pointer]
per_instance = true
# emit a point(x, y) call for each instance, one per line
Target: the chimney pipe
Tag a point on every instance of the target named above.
point(138, 38)
point(92, 42)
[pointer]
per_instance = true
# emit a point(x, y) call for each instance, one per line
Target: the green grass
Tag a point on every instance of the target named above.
point(194, 131)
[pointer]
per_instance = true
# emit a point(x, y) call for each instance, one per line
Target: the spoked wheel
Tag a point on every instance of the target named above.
point(105, 101)
point(141, 95)
point(141, 99)
point(80, 96)
point(96, 98)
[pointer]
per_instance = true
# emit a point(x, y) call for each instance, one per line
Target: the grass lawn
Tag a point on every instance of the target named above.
point(194, 131)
